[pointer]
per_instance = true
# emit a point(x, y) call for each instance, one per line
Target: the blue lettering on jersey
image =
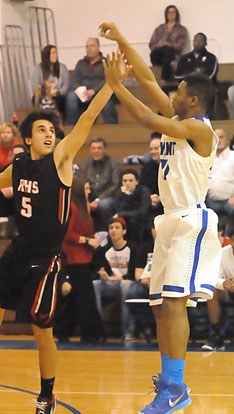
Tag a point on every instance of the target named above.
point(165, 168)
point(167, 148)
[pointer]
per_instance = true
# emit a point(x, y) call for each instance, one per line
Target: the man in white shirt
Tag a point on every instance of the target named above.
point(224, 292)
point(220, 195)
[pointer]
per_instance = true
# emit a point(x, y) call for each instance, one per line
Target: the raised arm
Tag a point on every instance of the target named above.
point(195, 130)
point(68, 147)
point(141, 71)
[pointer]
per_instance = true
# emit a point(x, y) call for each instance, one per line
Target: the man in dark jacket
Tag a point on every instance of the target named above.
point(149, 174)
point(102, 172)
point(132, 202)
point(88, 79)
point(199, 60)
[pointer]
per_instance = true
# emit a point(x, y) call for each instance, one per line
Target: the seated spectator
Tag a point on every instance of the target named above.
point(167, 42)
point(44, 95)
point(132, 202)
point(231, 98)
point(52, 70)
point(199, 60)
point(149, 175)
point(102, 171)
point(224, 292)
point(220, 195)
point(116, 265)
point(79, 305)
point(88, 79)
point(9, 137)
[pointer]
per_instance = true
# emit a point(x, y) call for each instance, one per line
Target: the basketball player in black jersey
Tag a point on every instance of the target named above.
point(30, 266)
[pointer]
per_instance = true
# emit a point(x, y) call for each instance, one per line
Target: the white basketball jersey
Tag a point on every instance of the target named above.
point(183, 174)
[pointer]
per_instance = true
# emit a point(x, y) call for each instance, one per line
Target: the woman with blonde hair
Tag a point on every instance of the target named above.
point(9, 137)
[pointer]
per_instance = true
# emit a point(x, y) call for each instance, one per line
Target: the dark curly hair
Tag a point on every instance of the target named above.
point(27, 124)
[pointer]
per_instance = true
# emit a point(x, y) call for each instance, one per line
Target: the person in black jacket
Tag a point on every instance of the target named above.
point(132, 202)
point(199, 60)
point(149, 174)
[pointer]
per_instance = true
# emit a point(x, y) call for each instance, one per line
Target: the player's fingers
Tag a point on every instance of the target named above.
point(104, 30)
point(119, 55)
point(104, 64)
point(128, 69)
point(104, 34)
point(104, 26)
point(114, 56)
point(108, 60)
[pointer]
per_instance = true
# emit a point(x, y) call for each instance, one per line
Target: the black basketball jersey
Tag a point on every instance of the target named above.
point(41, 200)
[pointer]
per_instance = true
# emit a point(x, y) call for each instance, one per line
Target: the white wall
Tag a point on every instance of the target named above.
point(16, 13)
point(76, 20)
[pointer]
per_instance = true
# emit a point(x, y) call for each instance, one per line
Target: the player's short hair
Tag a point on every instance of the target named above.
point(201, 86)
point(27, 125)
point(98, 139)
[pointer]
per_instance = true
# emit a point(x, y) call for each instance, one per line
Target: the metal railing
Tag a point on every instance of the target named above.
point(17, 63)
point(42, 30)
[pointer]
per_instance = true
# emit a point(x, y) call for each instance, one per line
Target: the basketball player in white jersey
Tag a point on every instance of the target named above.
point(187, 251)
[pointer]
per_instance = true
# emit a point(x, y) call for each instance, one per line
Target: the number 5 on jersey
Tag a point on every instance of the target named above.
point(26, 209)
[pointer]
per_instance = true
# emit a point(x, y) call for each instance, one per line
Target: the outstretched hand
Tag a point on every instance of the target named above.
point(109, 31)
point(115, 71)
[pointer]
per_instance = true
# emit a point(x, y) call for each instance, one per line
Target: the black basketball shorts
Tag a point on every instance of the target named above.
point(28, 284)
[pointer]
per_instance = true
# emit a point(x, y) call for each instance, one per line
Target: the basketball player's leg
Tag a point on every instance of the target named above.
point(161, 329)
point(47, 351)
point(171, 318)
point(172, 393)
point(47, 363)
point(175, 313)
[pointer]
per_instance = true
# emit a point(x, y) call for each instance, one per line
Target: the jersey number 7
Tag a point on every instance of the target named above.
point(165, 168)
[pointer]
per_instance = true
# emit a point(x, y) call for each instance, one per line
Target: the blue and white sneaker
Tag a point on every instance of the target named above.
point(169, 398)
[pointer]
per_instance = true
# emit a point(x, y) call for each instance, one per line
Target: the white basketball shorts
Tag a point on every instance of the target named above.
point(186, 255)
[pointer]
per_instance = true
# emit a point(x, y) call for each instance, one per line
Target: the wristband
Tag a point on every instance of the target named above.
point(87, 240)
